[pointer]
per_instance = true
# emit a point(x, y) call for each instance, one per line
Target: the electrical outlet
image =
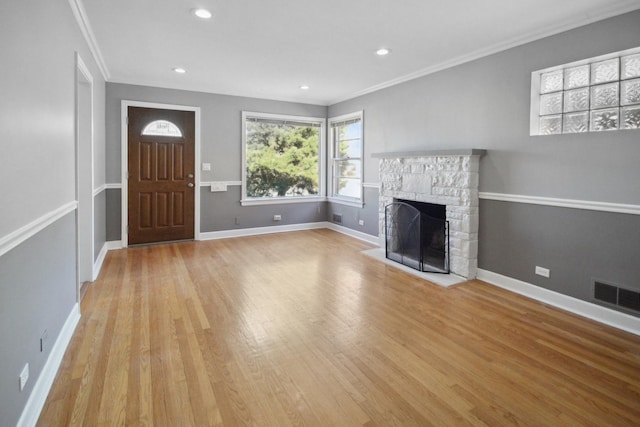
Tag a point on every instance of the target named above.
point(544, 272)
point(218, 186)
point(277, 217)
point(24, 376)
point(237, 220)
point(361, 222)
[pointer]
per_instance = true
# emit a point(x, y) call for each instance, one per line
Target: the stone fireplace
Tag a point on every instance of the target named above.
point(446, 177)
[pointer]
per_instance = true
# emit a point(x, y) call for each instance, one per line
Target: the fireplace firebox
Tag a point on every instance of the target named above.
point(417, 235)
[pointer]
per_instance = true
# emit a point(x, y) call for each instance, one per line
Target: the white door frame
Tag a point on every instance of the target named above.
point(124, 126)
point(84, 175)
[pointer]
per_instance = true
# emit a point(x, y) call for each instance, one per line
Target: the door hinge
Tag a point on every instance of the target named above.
point(127, 120)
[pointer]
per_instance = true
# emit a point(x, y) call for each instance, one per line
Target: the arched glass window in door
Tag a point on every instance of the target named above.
point(161, 128)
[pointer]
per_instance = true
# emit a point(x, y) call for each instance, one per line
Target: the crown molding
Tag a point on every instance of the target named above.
point(598, 15)
point(85, 27)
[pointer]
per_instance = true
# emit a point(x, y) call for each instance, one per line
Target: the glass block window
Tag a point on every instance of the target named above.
point(593, 95)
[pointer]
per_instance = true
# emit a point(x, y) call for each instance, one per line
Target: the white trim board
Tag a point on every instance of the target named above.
point(625, 208)
point(97, 266)
point(97, 191)
point(85, 28)
point(586, 309)
point(227, 183)
point(85, 180)
point(38, 396)
point(564, 203)
point(113, 245)
point(255, 231)
point(374, 240)
point(22, 234)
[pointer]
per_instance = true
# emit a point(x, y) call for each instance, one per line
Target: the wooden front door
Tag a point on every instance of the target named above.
point(161, 161)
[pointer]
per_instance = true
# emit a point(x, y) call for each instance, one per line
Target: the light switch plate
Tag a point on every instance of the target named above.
point(206, 166)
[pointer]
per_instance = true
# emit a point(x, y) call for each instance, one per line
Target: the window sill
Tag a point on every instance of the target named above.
point(354, 203)
point(282, 200)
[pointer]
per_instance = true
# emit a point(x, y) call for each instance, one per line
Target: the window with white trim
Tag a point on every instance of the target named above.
point(282, 158)
point(592, 95)
point(347, 147)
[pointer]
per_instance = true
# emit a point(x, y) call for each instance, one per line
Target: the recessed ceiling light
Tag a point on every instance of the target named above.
point(202, 13)
point(304, 87)
point(383, 51)
point(179, 70)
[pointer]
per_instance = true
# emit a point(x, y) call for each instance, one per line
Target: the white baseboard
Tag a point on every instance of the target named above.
point(97, 265)
point(108, 246)
point(255, 231)
point(112, 245)
point(586, 309)
point(243, 232)
point(38, 397)
point(353, 233)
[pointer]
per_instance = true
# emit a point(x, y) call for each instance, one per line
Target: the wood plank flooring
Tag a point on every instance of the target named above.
point(302, 329)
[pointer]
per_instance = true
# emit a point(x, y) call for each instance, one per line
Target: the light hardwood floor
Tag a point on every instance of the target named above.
point(302, 329)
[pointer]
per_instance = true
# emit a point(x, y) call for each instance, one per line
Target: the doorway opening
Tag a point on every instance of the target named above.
point(84, 176)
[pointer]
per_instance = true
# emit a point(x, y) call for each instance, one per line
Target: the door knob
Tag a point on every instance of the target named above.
point(190, 185)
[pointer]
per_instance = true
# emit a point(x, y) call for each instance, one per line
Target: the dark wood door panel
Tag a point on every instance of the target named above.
point(161, 177)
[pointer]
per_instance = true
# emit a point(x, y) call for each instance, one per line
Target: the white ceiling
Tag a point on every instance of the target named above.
point(268, 48)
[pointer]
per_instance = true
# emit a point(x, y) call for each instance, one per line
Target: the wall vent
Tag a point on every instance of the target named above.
point(614, 295)
point(337, 218)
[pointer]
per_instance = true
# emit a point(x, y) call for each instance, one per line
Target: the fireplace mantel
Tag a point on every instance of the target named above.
point(444, 177)
point(430, 153)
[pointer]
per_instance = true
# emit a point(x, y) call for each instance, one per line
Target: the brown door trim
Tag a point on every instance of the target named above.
point(125, 104)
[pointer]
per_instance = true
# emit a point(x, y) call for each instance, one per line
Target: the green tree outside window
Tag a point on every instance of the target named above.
point(282, 159)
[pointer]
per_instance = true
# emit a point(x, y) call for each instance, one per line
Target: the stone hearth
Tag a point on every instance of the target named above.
point(447, 177)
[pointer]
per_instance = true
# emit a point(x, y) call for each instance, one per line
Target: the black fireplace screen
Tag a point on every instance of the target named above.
point(416, 239)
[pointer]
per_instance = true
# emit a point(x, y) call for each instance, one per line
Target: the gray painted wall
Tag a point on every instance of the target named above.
point(37, 293)
point(351, 215)
point(113, 215)
point(221, 146)
point(485, 104)
point(37, 109)
point(577, 245)
point(100, 221)
point(222, 211)
point(221, 124)
point(37, 174)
